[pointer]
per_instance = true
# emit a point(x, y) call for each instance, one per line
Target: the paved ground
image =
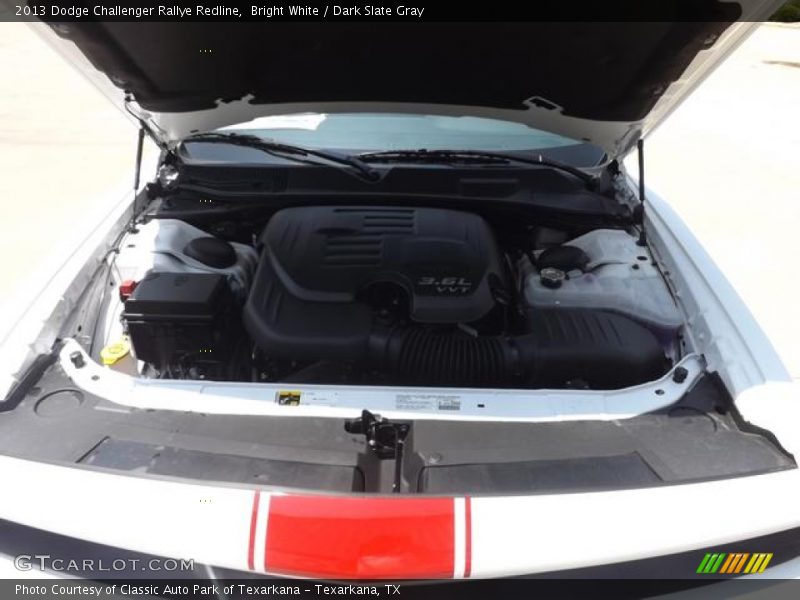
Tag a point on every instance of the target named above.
point(729, 160)
point(61, 145)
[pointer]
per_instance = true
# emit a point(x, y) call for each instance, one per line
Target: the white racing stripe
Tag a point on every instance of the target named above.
point(260, 533)
point(459, 528)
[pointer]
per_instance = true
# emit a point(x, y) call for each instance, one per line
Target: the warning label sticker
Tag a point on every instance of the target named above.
point(427, 402)
point(311, 398)
point(288, 397)
point(449, 403)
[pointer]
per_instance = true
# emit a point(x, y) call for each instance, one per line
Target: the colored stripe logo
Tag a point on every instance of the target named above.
point(734, 563)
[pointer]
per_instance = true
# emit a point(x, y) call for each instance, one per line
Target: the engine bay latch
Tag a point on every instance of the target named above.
point(385, 438)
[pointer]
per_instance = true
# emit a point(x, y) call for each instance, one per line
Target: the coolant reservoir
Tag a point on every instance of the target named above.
point(619, 277)
point(172, 246)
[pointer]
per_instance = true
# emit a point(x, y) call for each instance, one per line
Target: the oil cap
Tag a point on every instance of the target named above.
point(552, 278)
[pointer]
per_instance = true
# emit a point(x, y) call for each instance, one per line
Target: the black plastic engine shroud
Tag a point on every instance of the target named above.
point(304, 305)
point(316, 260)
point(445, 260)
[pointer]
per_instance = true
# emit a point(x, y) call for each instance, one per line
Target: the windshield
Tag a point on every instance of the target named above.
point(362, 132)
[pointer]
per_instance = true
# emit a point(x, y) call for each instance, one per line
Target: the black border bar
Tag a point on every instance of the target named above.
point(381, 11)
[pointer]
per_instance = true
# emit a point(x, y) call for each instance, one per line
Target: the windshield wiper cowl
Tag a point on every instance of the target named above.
point(474, 157)
point(287, 151)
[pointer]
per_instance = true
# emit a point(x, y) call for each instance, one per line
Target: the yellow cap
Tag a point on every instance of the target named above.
point(113, 352)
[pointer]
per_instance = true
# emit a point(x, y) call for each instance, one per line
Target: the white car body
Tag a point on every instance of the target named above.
point(231, 526)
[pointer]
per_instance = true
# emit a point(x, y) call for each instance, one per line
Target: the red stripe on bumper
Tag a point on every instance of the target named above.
point(361, 538)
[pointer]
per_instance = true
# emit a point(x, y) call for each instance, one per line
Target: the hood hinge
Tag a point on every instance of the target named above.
point(143, 124)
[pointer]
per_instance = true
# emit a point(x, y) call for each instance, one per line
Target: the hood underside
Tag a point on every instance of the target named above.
point(607, 83)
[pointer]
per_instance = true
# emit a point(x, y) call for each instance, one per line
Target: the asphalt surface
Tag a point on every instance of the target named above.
point(728, 160)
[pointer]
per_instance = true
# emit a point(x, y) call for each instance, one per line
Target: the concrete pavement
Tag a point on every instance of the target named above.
point(728, 160)
point(62, 145)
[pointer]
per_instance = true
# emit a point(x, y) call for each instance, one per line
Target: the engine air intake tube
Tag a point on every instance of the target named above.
point(601, 350)
point(419, 355)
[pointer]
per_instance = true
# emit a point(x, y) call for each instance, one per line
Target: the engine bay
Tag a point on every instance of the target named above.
point(390, 295)
point(385, 347)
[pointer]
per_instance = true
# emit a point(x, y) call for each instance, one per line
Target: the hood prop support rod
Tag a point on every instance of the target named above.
point(642, 241)
point(138, 171)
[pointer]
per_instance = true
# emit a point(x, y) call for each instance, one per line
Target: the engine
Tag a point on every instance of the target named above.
point(424, 296)
point(331, 278)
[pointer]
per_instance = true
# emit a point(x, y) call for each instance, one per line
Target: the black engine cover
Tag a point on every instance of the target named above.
point(304, 305)
point(443, 259)
point(316, 260)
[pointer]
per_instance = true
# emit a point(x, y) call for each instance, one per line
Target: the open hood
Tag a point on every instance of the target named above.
point(605, 83)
